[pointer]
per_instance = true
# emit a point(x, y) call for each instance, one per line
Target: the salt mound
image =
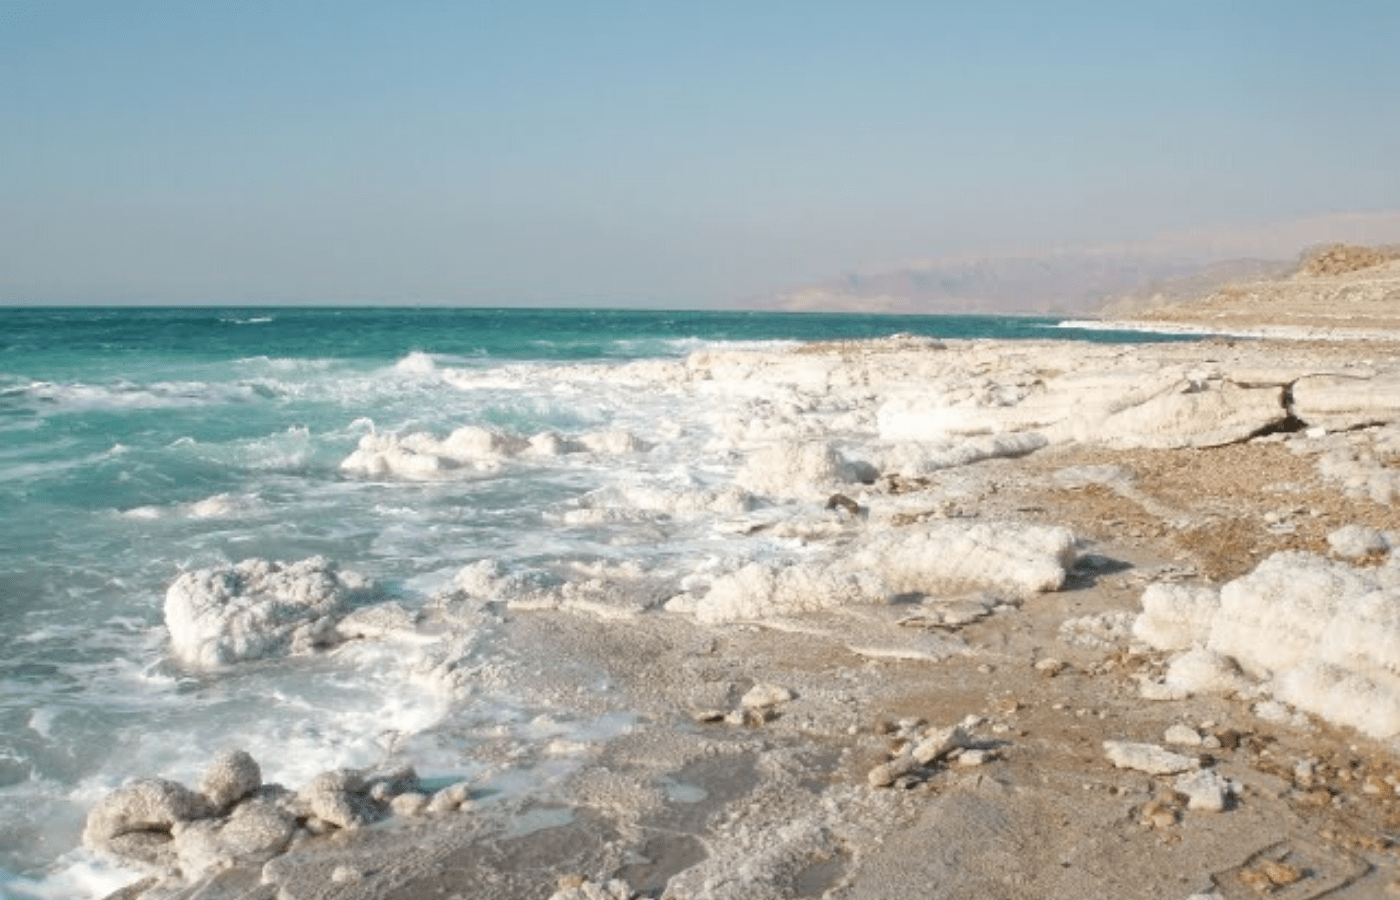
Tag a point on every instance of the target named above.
point(1193, 414)
point(758, 591)
point(258, 608)
point(1340, 402)
point(934, 556)
point(796, 469)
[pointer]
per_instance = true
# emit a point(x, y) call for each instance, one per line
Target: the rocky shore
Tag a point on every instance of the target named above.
point(1058, 621)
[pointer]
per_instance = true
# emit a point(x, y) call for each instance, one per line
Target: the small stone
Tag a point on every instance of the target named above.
point(346, 875)
point(1158, 814)
point(707, 716)
point(974, 757)
point(938, 743)
point(886, 774)
point(409, 805)
point(1147, 758)
point(1049, 667)
point(1205, 790)
point(765, 696)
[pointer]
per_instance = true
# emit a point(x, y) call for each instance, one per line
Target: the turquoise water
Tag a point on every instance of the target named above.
point(139, 443)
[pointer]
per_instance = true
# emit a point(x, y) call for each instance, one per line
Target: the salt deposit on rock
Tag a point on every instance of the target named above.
point(792, 469)
point(383, 620)
point(258, 608)
point(1176, 616)
point(760, 591)
point(255, 832)
point(134, 822)
point(935, 556)
point(1338, 402)
point(1147, 758)
point(1193, 415)
point(229, 778)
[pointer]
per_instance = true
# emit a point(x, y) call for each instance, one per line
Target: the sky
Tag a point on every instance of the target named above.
point(658, 152)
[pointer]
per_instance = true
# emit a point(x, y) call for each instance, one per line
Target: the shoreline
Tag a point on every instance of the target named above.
point(1171, 464)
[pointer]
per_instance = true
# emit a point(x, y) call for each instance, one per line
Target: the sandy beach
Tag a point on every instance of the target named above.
point(1084, 621)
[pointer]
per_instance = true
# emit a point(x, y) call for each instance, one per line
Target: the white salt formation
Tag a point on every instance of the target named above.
point(258, 608)
point(1319, 634)
point(937, 556)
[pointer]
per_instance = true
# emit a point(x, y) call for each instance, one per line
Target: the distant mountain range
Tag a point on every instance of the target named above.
point(1081, 281)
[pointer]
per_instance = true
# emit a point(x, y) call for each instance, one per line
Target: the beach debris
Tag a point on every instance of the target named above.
point(916, 749)
point(1147, 758)
point(1049, 667)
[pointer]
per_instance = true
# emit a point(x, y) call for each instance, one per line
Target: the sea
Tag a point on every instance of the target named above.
point(140, 443)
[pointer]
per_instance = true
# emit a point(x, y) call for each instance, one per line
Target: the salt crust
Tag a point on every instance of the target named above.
point(258, 608)
point(1319, 634)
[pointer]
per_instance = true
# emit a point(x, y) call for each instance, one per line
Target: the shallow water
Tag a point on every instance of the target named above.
point(139, 443)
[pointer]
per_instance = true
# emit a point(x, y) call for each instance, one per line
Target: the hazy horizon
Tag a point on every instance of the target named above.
point(652, 154)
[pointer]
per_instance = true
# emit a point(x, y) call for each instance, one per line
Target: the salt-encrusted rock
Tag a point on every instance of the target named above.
point(232, 776)
point(1338, 402)
point(420, 455)
point(1019, 557)
point(763, 696)
point(1205, 790)
point(796, 469)
point(449, 799)
point(381, 620)
point(1183, 735)
point(937, 743)
point(1194, 414)
point(1147, 758)
point(760, 591)
point(257, 830)
point(1176, 616)
point(134, 822)
point(258, 608)
point(1357, 540)
point(338, 798)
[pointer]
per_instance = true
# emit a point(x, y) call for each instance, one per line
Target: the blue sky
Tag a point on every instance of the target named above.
point(670, 153)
